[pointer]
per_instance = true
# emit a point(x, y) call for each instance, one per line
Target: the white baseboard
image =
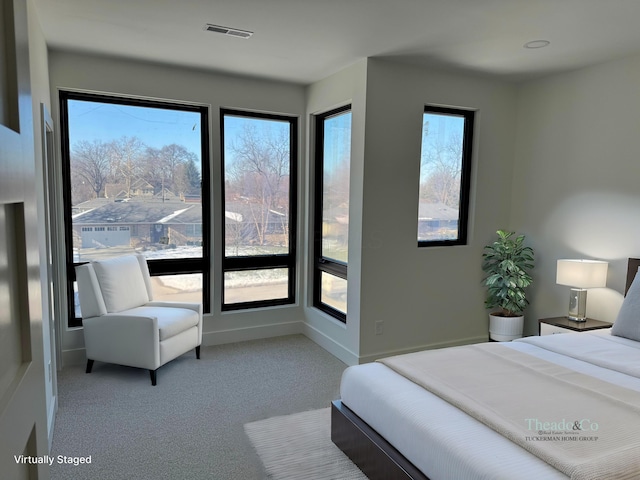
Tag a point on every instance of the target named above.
point(74, 356)
point(77, 356)
point(388, 353)
point(234, 335)
point(330, 345)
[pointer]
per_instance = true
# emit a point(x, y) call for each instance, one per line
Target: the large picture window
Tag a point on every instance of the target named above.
point(445, 176)
point(135, 177)
point(331, 211)
point(259, 169)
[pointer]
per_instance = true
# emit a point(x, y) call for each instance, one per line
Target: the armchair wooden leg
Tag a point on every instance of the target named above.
point(89, 365)
point(198, 352)
point(153, 377)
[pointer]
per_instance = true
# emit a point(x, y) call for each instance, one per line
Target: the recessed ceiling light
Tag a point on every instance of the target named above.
point(234, 32)
point(537, 44)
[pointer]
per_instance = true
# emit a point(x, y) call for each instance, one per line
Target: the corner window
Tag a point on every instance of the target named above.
point(259, 153)
point(135, 179)
point(331, 211)
point(445, 176)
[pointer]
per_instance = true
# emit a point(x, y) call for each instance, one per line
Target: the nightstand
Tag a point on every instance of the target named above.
point(550, 326)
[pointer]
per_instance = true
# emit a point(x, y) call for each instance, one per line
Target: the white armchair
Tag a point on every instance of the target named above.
point(123, 325)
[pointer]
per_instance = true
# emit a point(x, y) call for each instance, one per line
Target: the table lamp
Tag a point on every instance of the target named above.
point(580, 275)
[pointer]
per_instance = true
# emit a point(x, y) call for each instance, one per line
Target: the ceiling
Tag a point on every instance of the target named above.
point(303, 41)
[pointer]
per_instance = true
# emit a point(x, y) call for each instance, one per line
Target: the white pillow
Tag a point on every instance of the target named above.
point(627, 323)
point(121, 282)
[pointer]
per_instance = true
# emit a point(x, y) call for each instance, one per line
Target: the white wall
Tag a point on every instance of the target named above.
point(38, 66)
point(84, 72)
point(554, 159)
point(575, 188)
point(427, 297)
point(345, 87)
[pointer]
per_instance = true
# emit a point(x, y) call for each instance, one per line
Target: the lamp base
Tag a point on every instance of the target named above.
point(578, 305)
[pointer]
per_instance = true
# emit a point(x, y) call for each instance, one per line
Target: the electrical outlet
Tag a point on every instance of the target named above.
point(379, 327)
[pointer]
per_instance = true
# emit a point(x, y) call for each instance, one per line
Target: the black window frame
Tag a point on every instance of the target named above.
point(465, 177)
point(157, 267)
point(323, 264)
point(263, 262)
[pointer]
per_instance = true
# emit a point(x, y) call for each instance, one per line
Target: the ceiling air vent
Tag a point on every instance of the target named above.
point(234, 32)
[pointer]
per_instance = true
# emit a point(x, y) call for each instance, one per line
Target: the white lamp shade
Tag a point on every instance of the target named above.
point(582, 273)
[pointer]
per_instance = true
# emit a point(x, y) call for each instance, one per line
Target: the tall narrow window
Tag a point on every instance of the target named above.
point(259, 168)
point(133, 183)
point(445, 176)
point(331, 243)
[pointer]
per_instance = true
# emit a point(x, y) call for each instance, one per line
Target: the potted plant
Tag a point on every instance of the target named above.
point(506, 264)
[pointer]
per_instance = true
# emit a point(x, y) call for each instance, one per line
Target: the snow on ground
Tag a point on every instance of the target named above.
point(193, 282)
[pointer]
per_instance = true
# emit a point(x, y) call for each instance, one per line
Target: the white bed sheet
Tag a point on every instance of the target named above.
point(441, 440)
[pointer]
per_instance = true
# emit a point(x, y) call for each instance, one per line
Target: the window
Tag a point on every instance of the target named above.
point(259, 153)
point(445, 176)
point(331, 211)
point(132, 177)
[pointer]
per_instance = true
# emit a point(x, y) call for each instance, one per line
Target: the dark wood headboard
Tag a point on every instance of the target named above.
point(632, 269)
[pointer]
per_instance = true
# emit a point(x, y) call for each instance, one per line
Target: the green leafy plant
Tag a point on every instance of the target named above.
point(506, 264)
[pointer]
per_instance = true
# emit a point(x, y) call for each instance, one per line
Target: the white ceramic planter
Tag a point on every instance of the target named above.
point(505, 329)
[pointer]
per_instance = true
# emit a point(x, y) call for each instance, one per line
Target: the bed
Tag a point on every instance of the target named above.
point(402, 419)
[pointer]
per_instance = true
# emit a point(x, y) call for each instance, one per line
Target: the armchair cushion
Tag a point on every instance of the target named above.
point(121, 282)
point(171, 321)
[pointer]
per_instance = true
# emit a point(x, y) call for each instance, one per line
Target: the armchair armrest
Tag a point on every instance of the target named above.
point(196, 307)
point(123, 339)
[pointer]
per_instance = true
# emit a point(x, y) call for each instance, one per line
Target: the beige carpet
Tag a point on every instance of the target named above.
point(299, 446)
point(190, 426)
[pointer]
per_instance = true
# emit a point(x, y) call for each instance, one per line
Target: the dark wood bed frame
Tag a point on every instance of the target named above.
point(376, 457)
point(632, 269)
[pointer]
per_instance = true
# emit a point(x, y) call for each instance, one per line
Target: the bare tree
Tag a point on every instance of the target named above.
point(90, 161)
point(126, 155)
point(259, 172)
point(122, 161)
point(171, 167)
point(442, 169)
point(174, 159)
point(151, 167)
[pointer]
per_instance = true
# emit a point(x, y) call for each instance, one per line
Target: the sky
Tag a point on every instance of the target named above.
point(234, 125)
point(337, 140)
point(155, 127)
point(443, 128)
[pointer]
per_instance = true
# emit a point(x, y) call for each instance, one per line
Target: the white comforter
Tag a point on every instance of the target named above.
point(446, 443)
